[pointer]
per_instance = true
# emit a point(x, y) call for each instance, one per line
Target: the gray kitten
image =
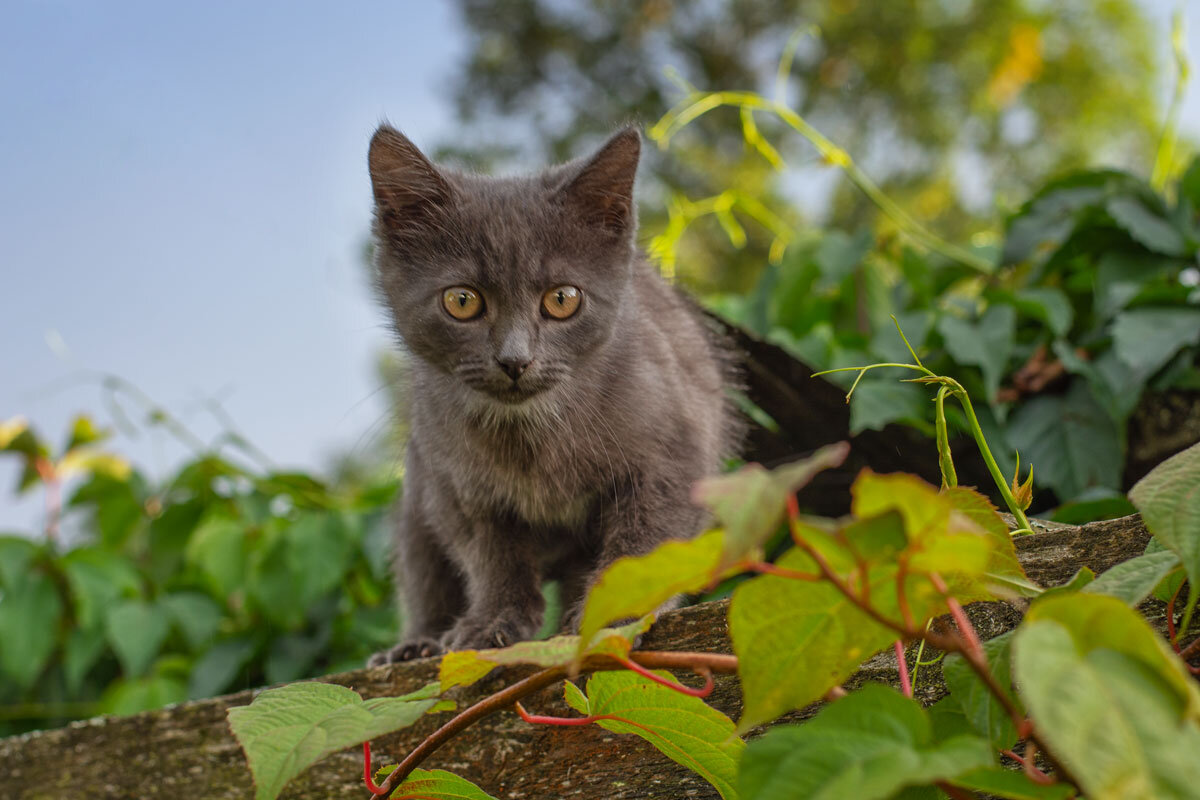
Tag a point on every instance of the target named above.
point(563, 397)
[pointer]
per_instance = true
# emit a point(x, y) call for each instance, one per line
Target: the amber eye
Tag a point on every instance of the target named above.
point(462, 302)
point(561, 301)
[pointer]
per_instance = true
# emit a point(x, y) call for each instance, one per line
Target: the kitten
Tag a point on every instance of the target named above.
point(563, 397)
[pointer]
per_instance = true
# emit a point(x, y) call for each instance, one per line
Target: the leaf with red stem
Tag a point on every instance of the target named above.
point(287, 730)
point(465, 667)
point(681, 727)
point(433, 784)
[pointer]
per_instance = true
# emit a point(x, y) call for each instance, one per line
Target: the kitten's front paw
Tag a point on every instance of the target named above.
point(422, 647)
point(481, 634)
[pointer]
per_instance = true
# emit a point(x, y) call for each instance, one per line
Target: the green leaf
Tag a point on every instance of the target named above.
point(1121, 276)
point(1169, 585)
point(98, 578)
point(1072, 443)
point(84, 432)
point(870, 744)
point(287, 730)
point(637, 585)
point(216, 671)
point(986, 344)
point(217, 548)
point(681, 727)
point(1132, 581)
point(1146, 227)
point(839, 254)
point(1048, 304)
point(795, 640)
point(30, 610)
point(987, 717)
point(437, 784)
point(195, 615)
point(1011, 785)
point(1147, 338)
point(16, 554)
point(1004, 568)
point(142, 694)
point(1110, 700)
point(1169, 499)
point(877, 402)
point(751, 503)
point(464, 667)
point(136, 631)
point(82, 649)
point(116, 505)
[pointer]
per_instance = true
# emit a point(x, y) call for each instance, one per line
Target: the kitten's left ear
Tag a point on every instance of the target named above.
point(601, 193)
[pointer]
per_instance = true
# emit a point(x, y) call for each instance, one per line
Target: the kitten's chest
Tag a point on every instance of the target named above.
point(545, 484)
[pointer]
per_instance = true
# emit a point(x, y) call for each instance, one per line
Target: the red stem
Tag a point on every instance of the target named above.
point(703, 691)
point(371, 787)
point(902, 663)
point(537, 719)
point(783, 572)
point(1028, 765)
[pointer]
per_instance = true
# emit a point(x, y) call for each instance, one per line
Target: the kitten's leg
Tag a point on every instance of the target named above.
point(505, 603)
point(431, 588)
point(634, 523)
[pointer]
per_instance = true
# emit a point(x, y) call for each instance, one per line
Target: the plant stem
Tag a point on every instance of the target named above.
point(698, 662)
point(902, 666)
point(986, 452)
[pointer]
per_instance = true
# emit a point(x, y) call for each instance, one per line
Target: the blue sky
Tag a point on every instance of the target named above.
point(183, 202)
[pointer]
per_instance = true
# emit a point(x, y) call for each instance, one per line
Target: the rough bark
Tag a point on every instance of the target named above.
point(187, 751)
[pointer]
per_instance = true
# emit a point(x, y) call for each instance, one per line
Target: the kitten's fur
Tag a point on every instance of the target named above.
point(590, 454)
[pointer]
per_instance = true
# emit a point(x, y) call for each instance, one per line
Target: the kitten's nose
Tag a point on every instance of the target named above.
point(513, 367)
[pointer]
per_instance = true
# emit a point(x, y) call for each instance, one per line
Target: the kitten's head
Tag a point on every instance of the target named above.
point(509, 284)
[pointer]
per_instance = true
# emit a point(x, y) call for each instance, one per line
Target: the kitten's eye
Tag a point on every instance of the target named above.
point(561, 301)
point(462, 302)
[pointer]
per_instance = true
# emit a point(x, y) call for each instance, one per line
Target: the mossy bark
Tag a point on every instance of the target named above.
point(187, 751)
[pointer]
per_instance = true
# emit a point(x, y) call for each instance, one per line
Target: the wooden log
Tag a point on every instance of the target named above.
point(187, 751)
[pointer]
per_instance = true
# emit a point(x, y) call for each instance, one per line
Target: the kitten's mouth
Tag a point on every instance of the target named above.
point(515, 394)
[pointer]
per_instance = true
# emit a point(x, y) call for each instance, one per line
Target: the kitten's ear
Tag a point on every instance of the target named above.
point(409, 190)
point(601, 193)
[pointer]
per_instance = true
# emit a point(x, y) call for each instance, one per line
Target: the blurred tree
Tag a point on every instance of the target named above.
point(957, 107)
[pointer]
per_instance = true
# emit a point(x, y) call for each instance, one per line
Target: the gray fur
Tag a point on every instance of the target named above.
point(590, 454)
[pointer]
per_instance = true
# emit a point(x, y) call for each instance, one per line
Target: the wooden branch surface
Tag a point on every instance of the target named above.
point(187, 751)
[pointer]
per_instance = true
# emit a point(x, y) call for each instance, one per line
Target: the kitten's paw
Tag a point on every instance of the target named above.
point(422, 647)
point(471, 634)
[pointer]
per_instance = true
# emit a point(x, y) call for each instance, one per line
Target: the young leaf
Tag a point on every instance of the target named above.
point(681, 727)
point(284, 731)
point(870, 744)
point(1169, 499)
point(1132, 581)
point(434, 784)
point(751, 502)
point(465, 667)
point(637, 585)
point(1110, 700)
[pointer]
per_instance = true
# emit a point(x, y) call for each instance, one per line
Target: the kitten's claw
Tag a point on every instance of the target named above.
point(406, 651)
point(469, 635)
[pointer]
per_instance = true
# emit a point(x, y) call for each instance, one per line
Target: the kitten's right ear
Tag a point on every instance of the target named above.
point(409, 190)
